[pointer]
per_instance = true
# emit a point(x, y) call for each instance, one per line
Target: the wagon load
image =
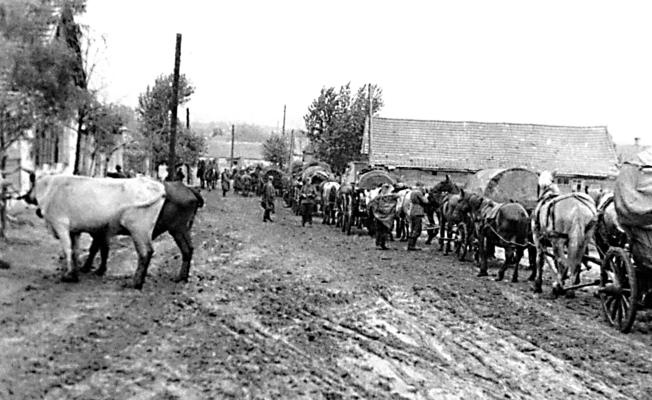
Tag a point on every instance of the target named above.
point(633, 194)
point(383, 208)
point(316, 174)
point(633, 201)
point(372, 179)
point(279, 177)
point(505, 185)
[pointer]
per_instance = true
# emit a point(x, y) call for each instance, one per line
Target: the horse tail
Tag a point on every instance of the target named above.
point(588, 230)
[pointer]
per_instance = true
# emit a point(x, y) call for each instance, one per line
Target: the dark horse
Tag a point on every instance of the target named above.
point(438, 199)
point(608, 231)
point(505, 225)
point(210, 177)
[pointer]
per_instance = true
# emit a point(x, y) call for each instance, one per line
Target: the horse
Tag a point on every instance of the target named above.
point(246, 183)
point(345, 208)
point(403, 206)
point(566, 223)
point(497, 224)
point(608, 231)
point(439, 197)
point(329, 200)
point(210, 177)
point(201, 169)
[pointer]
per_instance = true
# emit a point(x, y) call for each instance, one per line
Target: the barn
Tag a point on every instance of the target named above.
point(427, 150)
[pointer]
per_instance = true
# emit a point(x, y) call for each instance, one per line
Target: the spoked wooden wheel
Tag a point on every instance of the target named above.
point(618, 289)
point(461, 241)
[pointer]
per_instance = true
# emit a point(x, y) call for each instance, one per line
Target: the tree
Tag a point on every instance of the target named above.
point(276, 150)
point(16, 117)
point(38, 76)
point(335, 123)
point(154, 108)
point(104, 123)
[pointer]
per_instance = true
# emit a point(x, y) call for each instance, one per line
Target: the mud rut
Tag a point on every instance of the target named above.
point(280, 311)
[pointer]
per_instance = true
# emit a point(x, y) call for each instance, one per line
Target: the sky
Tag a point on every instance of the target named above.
point(581, 63)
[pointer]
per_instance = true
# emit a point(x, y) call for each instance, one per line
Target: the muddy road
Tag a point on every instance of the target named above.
point(277, 311)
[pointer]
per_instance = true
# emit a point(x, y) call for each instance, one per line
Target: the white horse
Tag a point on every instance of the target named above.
point(566, 223)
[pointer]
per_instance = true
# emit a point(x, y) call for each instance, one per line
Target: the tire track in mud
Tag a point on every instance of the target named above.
point(553, 376)
point(277, 311)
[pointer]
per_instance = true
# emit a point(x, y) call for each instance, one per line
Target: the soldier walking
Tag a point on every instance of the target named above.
point(416, 216)
point(226, 184)
point(267, 200)
point(307, 202)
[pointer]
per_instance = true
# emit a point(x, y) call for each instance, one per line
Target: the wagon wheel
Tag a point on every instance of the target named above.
point(461, 240)
point(618, 289)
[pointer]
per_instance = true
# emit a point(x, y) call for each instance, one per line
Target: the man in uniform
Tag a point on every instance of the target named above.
point(416, 216)
point(267, 201)
point(307, 201)
point(225, 181)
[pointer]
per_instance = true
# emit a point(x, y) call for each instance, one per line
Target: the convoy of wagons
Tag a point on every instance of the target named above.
point(624, 286)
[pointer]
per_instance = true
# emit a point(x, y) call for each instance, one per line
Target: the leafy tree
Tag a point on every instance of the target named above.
point(38, 76)
point(276, 150)
point(154, 109)
point(335, 123)
point(16, 117)
point(48, 70)
point(104, 123)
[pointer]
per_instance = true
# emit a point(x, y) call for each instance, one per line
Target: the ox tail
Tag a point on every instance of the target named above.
point(198, 196)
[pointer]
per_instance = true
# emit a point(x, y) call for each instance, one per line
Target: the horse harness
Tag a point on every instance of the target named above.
point(486, 219)
point(550, 199)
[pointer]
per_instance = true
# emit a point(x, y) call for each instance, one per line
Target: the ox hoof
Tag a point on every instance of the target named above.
point(537, 289)
point(514, 280)
point(557, 290)
point(100, 271)
point(482, 273)
point(180, 278)
point(499, 278)
point(87, 267)
point(70, 278)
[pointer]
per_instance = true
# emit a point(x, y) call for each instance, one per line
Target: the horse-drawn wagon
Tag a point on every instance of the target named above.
point(366, 187)
point(278, 175)
point(315, 176)
point(501, 186)
point(626, 270)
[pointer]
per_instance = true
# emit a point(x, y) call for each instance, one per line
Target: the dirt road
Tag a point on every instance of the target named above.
point(277, 311)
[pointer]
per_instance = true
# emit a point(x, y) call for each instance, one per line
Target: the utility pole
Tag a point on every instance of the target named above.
point(187, 118)
point(232, 140)
point(283, 129)
point(291, 151)
point(371, 113)
point(173, 121)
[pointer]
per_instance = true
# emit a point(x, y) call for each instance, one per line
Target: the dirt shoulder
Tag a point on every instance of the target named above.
point(280, 311)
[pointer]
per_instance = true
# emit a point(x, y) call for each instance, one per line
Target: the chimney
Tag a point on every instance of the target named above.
point(636, 140)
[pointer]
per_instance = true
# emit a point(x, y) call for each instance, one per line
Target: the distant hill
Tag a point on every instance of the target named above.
point(243, 132)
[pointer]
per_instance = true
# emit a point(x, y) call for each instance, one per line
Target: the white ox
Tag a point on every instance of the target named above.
point(72, 205)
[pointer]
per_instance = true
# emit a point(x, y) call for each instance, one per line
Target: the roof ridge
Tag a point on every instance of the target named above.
point(494, 123)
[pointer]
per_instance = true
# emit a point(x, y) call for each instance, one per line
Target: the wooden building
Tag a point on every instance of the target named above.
point(419, 150)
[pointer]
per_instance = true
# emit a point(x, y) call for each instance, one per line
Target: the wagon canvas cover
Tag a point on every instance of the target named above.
point(633, 201)
point(373, 179)
point(505, 185)
point(633, 192)
point(316, 171)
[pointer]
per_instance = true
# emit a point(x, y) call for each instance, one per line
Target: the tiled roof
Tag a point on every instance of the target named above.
point(472, 146)
point(222, 149)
